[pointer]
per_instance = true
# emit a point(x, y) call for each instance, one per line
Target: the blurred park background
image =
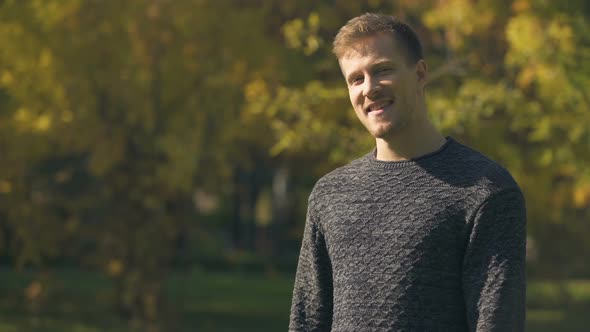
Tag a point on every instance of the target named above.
point(156, 155)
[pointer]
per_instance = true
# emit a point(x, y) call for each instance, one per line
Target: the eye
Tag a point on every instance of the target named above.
point(356, 80)
point(383, 70)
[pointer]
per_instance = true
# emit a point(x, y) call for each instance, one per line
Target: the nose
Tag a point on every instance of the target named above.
point(371, 88)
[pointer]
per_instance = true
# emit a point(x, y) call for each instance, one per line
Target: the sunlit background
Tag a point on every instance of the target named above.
point(156, 155)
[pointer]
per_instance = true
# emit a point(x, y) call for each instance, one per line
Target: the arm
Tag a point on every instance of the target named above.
point(311, 309)
point(494, 282)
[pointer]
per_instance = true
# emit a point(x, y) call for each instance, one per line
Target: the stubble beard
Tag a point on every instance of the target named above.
point(391, 127)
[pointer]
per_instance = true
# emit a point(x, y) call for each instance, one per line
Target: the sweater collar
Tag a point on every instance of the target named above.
point(372, 160)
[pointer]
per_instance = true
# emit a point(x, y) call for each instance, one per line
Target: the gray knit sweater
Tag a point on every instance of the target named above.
point(436, 243)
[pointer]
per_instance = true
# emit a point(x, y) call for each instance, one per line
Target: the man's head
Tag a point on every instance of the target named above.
point(370, 24)
point(381, 60)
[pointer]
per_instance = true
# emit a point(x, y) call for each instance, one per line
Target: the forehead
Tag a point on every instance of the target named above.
point(372, 48)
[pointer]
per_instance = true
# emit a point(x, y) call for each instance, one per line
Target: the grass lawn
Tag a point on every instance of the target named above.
point(228, 301)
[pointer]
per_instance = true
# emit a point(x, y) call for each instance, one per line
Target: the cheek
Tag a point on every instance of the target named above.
point(354, 97)
point(351, 97)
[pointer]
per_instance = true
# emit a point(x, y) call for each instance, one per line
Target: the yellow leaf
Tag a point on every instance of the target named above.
point(153, 12)
point(255, 89)
point(22, 115)
point(526, 76)
point(6, 78)
point(45, 59)
point(5, 186)
point(521, 6)
point(115, 267)
point(582, 196)
point(42, 123)
point(33, 291)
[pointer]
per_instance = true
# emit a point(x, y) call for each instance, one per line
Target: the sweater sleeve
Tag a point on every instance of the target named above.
point(311, 308)
point(494, 283)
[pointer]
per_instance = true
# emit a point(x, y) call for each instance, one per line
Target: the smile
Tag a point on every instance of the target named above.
point(378, 106)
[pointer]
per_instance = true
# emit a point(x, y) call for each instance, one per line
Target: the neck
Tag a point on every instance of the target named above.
point(410, 143)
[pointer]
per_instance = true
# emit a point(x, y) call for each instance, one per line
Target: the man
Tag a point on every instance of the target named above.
point(423, 233)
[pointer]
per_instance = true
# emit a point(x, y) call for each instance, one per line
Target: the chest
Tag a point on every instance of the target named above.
point(396, 223)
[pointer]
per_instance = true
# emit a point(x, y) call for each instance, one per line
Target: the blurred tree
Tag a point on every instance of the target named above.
point(113, 113)
point(524, 100)
point(509, 78)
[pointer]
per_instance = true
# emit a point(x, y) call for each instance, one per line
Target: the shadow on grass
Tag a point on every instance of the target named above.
point(562, 320)
point(227, 301)
point(234, 322)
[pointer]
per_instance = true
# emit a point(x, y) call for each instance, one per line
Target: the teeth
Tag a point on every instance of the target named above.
point(378, 106)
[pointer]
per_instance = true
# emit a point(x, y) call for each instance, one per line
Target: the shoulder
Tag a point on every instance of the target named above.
point(486, 176)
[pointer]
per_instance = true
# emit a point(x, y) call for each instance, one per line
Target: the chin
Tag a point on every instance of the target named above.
point(382, 131)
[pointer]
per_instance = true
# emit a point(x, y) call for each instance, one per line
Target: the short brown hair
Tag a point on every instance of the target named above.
point(370, 24)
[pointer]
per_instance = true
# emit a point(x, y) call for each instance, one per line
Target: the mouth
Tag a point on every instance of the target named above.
point(378, 106)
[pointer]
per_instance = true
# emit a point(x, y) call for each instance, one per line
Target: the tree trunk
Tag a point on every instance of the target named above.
point(280, 207)
point(236, 216)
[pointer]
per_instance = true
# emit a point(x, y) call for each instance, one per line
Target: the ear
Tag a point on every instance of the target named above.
point(421, 72)
point(421, 75)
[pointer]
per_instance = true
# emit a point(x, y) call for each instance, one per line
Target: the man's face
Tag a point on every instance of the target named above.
point(384, 88)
